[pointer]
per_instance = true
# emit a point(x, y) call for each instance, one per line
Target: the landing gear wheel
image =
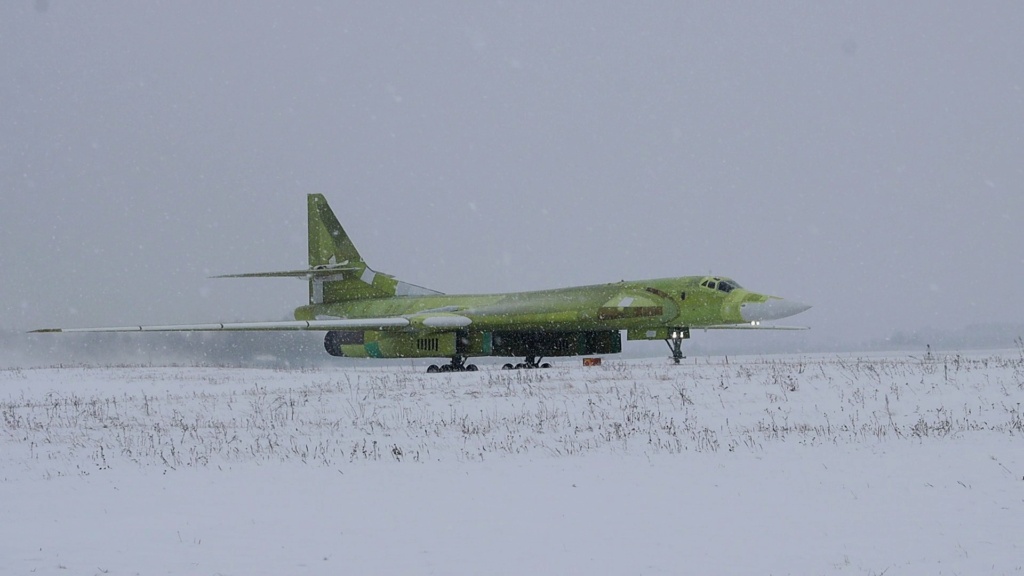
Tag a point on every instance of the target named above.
point(458, 364)
point(529, 362)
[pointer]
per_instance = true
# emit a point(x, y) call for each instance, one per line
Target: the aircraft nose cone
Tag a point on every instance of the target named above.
point(772, 309)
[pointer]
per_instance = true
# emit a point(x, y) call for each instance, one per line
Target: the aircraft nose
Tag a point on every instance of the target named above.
point(771, 309)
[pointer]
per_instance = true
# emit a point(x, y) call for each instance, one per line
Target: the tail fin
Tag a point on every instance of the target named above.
point(329, 245)
point(337, 272)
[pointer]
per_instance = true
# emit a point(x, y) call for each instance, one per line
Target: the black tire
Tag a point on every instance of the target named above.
point(507, 367)
point(545, 365)
point(471, 368)
point(432, 368)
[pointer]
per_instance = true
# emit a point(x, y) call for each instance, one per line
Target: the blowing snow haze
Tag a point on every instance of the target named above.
point(864, 157)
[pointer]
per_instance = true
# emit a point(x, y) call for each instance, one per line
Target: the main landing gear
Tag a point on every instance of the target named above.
point(675, 342)
point(458, 364)
point(530, 362)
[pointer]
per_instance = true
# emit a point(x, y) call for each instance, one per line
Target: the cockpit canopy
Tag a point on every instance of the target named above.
point(721, 284)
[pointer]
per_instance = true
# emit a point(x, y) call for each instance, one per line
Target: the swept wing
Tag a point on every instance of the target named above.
point(750, 326)
point(335, 324)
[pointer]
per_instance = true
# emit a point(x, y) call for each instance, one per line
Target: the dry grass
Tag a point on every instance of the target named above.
point(199, 417)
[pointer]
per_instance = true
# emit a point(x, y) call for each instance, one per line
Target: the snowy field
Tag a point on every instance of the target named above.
point(893, 464)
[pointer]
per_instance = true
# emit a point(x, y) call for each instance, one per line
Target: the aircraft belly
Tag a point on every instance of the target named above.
point(546, 343)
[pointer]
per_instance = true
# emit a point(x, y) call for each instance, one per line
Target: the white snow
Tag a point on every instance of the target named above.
point(761, 465)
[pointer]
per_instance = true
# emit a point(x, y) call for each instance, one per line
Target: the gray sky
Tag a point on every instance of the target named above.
point(863, 157)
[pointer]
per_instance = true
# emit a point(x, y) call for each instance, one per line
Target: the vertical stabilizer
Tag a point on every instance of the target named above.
point(329, 245)
point(337, 273)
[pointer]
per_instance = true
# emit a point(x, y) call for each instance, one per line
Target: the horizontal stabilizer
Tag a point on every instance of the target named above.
point(308, 273)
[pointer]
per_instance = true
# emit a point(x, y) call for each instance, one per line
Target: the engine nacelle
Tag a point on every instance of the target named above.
point(335, 339)
point(376, 344)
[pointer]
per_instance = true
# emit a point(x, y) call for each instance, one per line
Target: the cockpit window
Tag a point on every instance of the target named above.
point(720, 284)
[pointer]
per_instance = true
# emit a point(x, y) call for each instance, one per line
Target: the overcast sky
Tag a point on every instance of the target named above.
point(863, 157)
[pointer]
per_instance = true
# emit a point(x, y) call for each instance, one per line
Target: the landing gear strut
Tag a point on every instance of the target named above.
point(530, 362)
point(458, 364)
point(675, 342)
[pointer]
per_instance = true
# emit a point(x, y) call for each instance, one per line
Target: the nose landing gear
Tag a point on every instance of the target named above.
point(675, 342)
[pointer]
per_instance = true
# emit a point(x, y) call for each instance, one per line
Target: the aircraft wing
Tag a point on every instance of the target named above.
point(333, 324)
point(749, 326)
point(428, 320)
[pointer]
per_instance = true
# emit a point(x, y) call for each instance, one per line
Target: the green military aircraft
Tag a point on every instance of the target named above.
point(368, 314)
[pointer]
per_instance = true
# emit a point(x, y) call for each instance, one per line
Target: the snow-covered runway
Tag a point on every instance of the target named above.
point(767, 465)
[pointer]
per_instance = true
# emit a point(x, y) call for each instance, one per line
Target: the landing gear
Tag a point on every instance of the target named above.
point(675, 342)
point(530, 362)
point(458, 364)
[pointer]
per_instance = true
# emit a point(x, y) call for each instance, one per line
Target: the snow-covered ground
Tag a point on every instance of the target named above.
point(760, 465)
